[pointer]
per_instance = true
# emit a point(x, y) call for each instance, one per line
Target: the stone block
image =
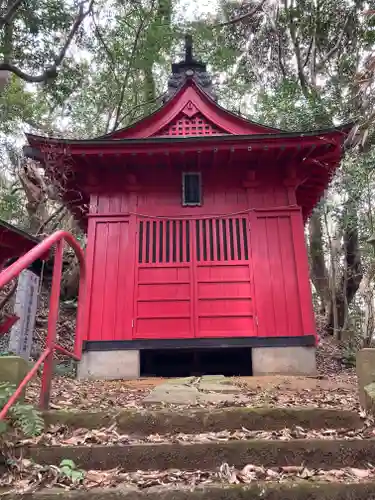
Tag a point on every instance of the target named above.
point(180, 381)
point(283, 361)
point(365, 367)
point(13, 369)
point(368, 401)
point(109, 365)
point(217, 398)
point(170, 394)
point(215, 378)
point(219, 387)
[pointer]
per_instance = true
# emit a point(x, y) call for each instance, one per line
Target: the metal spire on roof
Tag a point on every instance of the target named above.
point(189, 67)
point(188, 49)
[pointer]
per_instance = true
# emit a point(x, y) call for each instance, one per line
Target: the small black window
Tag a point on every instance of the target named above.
point(191, 189)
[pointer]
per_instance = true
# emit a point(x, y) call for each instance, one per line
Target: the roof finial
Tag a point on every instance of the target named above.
point(189, 68)
point(188, 48)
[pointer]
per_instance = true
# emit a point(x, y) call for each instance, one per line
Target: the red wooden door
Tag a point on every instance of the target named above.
point(222, 278)
point(193, 279)
point(281, 275)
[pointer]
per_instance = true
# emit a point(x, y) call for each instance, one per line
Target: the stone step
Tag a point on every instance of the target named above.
point(324, 454)
point(265, 491)
point(191, 421)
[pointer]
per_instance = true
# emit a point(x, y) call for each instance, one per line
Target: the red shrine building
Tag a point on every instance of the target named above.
point(195, 232)
point(14, 242)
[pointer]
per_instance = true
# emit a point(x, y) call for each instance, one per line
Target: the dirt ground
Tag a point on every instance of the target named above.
point(334, 392)
point(271, 382)
point(335, 387)
point(279, 382)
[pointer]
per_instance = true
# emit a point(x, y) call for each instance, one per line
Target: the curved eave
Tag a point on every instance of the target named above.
point(14, 242)
point(319, 136)
point(5, 227)
point(158, 114)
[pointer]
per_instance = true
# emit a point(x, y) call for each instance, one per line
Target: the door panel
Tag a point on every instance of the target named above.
point(193, 279)
point(163, 280)
point(276, 276)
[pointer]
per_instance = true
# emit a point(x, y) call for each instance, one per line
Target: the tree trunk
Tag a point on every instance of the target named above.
point(70, 282)
point(335, 296)
point(318, 269)
point(36, 194)
point(348, 284)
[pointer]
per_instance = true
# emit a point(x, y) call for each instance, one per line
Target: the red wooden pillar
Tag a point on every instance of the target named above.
point(303, 274)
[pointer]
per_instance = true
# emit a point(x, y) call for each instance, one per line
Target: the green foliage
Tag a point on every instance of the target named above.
point(11, 206)
point(37, 32)
point(286, 107)
point(348, 358)
point(23, 416)
point(66, 369)
point(69, 470)
point(120, 61)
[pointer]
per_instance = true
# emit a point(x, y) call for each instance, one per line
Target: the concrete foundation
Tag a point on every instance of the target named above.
point(284, 361)
point(109, 365)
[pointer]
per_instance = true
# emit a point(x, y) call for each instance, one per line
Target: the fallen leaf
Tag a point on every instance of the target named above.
point(359, 473)
point(292, 469)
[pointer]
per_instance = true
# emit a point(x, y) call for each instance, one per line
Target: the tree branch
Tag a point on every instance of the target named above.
point(51, 71)
point(297, 51)
point(127, 75)
point(139, 105)
point(308, 52)
point(10, 13)
point(242, 17)
point(335, 48)
point(60, 210)
point(105, 46)
point(4, 300)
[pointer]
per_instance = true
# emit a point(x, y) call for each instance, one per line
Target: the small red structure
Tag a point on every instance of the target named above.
point(13, 244)
point(195, 230)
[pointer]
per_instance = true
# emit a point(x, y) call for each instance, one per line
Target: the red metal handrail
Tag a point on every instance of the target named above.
point(12, 272)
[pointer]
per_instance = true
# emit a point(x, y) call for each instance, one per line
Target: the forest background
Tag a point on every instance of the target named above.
point(81, 69)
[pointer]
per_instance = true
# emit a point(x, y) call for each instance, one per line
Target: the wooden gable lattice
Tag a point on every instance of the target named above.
point(190, 122)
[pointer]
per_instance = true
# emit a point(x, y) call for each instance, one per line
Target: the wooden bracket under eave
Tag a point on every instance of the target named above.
point(131, 183)
point(251, 180)
point(292, 178)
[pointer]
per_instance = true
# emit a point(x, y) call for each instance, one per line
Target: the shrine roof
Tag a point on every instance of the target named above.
point(279, 138)
point(5, 227)
point(190, 113)
point(190, 122)
point(14, 242)
point(190, 116)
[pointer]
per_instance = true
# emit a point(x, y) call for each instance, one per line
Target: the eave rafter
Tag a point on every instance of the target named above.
point(227, 140)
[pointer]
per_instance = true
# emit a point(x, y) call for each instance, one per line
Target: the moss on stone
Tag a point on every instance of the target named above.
point(370, 389)
point(326, 454)
point(189, 421)
point(13, 370)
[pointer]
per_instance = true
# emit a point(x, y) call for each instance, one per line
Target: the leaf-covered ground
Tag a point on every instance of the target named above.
point(25, 476)
point(63, 436)
point(338, 391)
point(335, 387)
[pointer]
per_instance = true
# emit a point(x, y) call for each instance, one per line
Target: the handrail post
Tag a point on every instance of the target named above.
point(11, 272)
point(81, 316)
point(52, 323)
